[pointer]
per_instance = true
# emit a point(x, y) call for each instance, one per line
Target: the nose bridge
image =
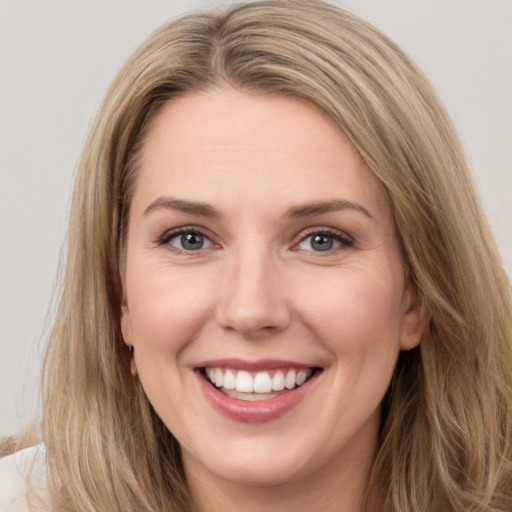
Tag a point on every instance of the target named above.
point(253, 299)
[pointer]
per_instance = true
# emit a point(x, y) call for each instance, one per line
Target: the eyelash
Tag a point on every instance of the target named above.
point(166, 237)
point(339, 236)
point(345, 240)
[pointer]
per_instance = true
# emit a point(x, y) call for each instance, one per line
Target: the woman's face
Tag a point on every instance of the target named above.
point(261, 255)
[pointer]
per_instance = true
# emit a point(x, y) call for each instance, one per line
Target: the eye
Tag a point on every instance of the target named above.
point(323, 241)
point(188, 241)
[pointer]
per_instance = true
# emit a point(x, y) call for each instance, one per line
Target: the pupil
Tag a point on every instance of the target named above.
point(321, 243)
point(192, 241)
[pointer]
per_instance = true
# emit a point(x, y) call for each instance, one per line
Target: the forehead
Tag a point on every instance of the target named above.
point(230, 145)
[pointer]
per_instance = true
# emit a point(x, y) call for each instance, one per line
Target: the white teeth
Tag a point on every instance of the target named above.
point(289, 380)
point(219, 377)
point(278, 381)
point(244, 382)
point(229, 380)
point(261, 383)
point(250, 397)
point(302, 376)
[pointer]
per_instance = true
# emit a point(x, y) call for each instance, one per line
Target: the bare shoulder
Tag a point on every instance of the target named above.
point(22, 481)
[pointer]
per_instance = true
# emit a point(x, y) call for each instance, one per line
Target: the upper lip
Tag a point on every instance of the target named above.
point(254, 365)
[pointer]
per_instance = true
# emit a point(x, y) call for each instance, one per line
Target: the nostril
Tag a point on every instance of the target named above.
point(254, 319)
point(251, 301)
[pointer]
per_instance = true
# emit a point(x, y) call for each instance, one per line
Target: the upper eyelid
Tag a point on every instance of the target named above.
point(322, 230)
point(299, 237)
point(169, 234)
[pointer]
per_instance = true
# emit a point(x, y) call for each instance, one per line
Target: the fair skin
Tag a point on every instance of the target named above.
point(259, 243)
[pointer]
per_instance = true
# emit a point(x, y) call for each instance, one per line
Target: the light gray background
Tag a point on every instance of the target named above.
point(56, 61)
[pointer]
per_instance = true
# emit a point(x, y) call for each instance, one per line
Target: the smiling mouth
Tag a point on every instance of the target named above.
point(256, 386)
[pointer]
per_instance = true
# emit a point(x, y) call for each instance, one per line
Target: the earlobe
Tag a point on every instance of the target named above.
point(126, 330)
point(415, 317)
point(126, 324)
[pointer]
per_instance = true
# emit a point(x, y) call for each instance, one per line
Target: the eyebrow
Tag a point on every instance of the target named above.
point(313, 209)
point(192, 207)
point(206, 210)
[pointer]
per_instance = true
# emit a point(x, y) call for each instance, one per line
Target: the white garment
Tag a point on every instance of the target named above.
point(16, 471)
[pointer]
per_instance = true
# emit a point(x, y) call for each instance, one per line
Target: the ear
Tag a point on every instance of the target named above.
point(127, 332)
point(415, 317)
point(126, 324)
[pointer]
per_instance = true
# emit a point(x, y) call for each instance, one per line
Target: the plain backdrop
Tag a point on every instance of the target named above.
point(57, 58)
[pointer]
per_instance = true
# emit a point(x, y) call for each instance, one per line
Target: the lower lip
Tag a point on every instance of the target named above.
point(259, 411)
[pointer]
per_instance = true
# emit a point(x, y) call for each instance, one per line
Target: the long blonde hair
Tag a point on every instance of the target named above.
point(446, 433)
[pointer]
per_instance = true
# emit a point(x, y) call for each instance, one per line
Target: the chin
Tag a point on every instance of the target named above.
point(257, 462)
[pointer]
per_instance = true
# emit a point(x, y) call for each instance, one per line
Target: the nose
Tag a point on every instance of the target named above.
point(253, 299)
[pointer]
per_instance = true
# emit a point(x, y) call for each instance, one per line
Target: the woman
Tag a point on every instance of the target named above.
point(280, 291)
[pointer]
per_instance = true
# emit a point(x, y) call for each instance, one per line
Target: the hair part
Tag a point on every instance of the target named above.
point(446, 436)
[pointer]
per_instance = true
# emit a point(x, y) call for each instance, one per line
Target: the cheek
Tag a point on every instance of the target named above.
point(167, 307)
point(353, 311)
point(167, 312)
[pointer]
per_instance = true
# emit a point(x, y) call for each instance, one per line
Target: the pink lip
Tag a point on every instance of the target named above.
point(259, 411)
point(251, 366)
